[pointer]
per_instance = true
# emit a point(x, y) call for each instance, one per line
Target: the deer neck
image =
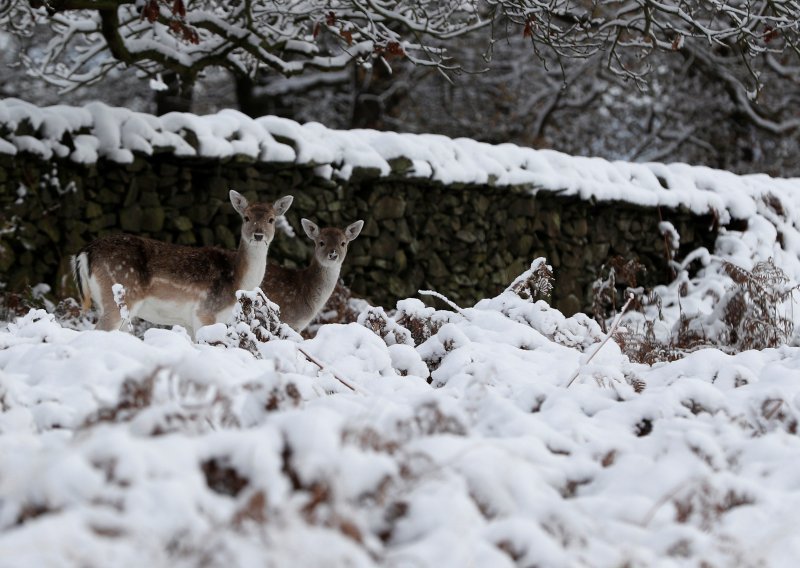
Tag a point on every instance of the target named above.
point(321, 280)
point(251, 263)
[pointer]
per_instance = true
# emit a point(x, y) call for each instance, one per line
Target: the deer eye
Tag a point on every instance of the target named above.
point(343, 244)
point(271, 220)
point(322, 243)
point(246, 219)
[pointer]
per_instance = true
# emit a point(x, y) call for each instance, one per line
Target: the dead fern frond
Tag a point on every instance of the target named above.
point(774, 203)
point(738, 274)
point(378, 322)
point(755, 311)
point(536, 283)
point(620, 282)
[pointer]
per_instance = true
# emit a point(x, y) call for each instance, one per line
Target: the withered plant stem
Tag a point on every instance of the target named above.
point(323, 367)
point(611, 331)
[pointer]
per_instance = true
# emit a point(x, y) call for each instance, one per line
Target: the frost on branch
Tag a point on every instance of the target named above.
point(672, 238)
point(184, 38)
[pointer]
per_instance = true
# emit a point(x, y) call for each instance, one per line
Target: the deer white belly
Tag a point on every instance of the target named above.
point(167, 311)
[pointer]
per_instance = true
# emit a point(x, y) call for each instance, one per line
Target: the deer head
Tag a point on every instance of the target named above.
point(331, 243)
point(258, 219)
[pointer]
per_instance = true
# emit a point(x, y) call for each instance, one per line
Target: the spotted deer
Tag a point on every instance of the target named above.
point(170, 284)
point(301, 293)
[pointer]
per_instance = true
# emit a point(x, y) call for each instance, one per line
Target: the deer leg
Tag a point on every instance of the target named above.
point(201, 319)
point(110, 320)
point(118, 306)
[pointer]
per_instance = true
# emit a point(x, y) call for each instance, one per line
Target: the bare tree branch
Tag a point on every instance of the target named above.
point(92, 37)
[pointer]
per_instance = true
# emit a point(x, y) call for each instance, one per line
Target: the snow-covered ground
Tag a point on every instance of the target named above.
point(461, 445)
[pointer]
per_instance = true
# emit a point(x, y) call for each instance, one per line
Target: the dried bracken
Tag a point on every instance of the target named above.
point(134, 396)
point(377, 321)
point(755, 310)
point(754, 313)
point(641, 345)
point(536, 283)
point(774, 204)
point(14, 305)
point(222, 478)
point(263, 316)
point(703, 505)
point(421, 323)
point(620, 281)
point(170, 402)
point(254, 510)
point(256, 320)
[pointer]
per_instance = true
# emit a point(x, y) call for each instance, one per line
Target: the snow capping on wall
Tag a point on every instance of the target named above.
point(97, 131)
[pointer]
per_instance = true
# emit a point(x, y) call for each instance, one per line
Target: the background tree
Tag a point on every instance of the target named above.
point(738, 43)
point(177, 40)
point(699, 81)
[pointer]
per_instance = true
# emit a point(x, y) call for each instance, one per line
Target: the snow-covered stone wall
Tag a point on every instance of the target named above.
point(454, 215)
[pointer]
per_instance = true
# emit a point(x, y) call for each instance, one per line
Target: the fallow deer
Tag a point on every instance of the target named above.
point(302, 293)
point(171, 284)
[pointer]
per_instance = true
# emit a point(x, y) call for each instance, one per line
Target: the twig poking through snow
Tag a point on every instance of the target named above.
point(322, 367)
point(611, 331)
point(443, 298)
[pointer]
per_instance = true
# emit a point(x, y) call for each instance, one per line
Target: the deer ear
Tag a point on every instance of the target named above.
point(281, 206)
point(354, 230)
point(238, 201)
point(310, 228)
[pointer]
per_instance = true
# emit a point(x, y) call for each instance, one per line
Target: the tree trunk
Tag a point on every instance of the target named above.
point(375, 96)
point(177, 97)
point(254, 105)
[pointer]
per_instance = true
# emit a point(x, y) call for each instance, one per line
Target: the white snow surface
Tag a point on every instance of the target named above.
point(119, 451)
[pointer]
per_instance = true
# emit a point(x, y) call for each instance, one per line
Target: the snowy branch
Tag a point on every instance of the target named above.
point(92, 37)
point(629, 32)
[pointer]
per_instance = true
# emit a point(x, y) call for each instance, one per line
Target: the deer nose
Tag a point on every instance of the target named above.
point(333, 255)
point(258, 236)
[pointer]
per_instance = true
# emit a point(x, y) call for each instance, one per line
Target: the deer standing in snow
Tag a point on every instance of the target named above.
point(171, 284)
point(301, 294)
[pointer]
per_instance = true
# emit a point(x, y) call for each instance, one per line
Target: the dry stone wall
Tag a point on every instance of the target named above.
point(467, 242)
